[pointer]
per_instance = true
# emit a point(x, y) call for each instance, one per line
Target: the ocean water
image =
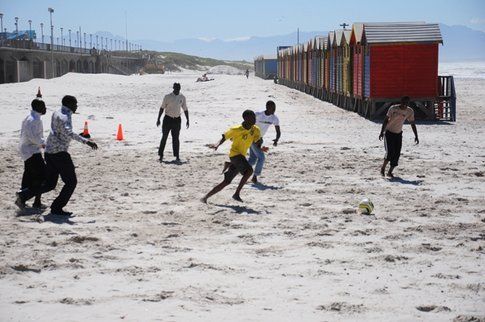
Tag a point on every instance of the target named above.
point(474, 69)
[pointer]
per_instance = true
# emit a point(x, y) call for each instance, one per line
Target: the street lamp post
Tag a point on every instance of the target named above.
point(30, 29)
point(70, 38)
point(90, 41)
point(42, 31)
point(77, 38)
point(1, 22)
point(52, 42)
point(62, 36)
point(17, 26)
point(84, 40)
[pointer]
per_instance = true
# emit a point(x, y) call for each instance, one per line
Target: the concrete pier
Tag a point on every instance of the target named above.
point(23, 60)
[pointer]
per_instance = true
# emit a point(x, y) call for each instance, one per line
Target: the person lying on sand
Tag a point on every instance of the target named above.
point(242, 136)
point(204, 78)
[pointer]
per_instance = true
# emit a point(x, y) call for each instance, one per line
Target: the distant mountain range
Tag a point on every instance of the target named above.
point(460, 43)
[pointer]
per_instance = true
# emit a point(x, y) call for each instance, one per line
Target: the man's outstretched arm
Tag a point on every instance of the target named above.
point(216, 146)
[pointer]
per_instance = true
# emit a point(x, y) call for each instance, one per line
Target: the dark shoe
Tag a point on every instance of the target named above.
point(61, 213)
point(382, 172)
point(177, 160)
point(237, 198)
point(390, 175)
point(19, 202)
point(254, 179)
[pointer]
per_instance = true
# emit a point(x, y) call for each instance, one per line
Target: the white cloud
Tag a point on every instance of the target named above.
point(207, 39)
point(244, 38)
point(478, 21)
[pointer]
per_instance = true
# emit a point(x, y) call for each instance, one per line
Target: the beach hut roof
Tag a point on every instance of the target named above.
point(346, 37)
point(338, 37)
point(377, 33)
point(266, 57)
point(357, 32)
point(321, 41)
point(331, 38)
point(358, 28)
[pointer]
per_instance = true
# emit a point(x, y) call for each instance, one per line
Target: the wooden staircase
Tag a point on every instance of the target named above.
point(445, 105)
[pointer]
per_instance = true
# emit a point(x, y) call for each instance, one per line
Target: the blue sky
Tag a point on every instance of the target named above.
point(170, 20)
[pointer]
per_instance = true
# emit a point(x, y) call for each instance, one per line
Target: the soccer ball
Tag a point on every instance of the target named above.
point(366, 206)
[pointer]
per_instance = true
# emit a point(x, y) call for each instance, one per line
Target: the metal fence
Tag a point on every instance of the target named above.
point(32, 45)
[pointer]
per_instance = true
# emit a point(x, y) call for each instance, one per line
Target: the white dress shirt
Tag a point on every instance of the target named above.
point(172, 104)
point(61, 132)
point(31, 136)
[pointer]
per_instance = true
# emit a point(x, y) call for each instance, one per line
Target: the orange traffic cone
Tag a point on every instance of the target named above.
point(85, 133)
point(86, 130)
point(119, 136)
point(39, 94)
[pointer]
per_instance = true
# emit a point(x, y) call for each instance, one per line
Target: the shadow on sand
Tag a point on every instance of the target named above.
point(240, 209)
point(29, 212)
point(175, 162)
point(404, 181)
point(58, 219)
point(261, 186)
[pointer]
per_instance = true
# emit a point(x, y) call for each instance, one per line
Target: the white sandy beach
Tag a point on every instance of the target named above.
point(142, 247)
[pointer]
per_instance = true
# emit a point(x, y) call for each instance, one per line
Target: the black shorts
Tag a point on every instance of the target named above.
point(393, 144)
point(239, 164)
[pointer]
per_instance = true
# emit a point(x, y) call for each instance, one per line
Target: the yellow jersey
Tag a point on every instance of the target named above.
point(242, 139)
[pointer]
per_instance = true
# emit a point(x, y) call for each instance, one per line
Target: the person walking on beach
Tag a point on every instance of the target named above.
point(242, 136)
point(30, 148)
point(58, 160)
point(263, 120)
point(247, 73)
point(391, 131)
point(172, 104)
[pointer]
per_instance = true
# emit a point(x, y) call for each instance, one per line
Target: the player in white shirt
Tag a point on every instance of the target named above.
point(30, 148)
point(173, 104)
point(264, 120)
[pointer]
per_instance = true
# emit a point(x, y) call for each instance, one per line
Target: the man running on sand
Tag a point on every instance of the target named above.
point(58, 160)
point(31, 144)
point(242, 136)
point(391, 131)
point(263, 120)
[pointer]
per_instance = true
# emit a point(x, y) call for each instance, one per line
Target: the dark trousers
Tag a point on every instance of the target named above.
point(34, 173)
point(393, 144)
point(170, 124)
point(57, 164)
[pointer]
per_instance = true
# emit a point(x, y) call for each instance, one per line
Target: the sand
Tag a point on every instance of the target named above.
point(142, 247)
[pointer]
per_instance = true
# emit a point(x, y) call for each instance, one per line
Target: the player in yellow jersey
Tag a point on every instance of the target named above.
point(242, 136)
